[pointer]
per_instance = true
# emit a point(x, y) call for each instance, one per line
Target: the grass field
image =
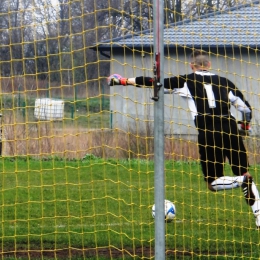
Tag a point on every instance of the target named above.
point(97, 209)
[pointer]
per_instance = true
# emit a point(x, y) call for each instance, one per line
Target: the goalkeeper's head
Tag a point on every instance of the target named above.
point(199, 60)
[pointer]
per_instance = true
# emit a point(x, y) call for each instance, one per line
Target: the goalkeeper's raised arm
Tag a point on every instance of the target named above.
point(116, 79)
point(169, 83)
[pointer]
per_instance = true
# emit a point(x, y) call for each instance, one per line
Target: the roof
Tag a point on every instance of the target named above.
point(234, 27)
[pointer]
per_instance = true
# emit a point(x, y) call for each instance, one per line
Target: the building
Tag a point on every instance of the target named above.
point(232, 38)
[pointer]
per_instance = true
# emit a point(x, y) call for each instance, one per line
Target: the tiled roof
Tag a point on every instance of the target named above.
point(235, 27)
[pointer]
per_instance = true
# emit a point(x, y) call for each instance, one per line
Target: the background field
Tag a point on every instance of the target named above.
point(101, 209)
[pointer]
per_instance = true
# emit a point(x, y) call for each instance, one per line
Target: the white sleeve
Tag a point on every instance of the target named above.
point(183, 92)
point(238, 103)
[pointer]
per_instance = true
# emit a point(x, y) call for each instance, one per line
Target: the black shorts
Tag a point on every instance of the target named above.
point(218, 140)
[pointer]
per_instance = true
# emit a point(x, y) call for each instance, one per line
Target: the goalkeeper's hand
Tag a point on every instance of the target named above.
point(116, 79)
point(245, 129)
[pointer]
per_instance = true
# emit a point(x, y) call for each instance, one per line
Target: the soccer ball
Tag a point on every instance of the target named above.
point(170, 211)
point(113, 76)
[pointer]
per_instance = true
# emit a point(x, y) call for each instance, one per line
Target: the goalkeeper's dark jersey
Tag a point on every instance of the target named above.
point(207, 93)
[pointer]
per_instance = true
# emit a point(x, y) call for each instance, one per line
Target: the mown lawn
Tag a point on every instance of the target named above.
point(101, 209)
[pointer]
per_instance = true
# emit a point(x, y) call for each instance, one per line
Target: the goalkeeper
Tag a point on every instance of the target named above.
point(209, 99)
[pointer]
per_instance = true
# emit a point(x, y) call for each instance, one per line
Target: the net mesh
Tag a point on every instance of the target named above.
point(77, 170)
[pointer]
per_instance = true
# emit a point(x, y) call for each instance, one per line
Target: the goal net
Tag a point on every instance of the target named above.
point(77, 156)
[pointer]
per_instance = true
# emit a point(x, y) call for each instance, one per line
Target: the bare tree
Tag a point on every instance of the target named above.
point(52, 39)
point(197, 8)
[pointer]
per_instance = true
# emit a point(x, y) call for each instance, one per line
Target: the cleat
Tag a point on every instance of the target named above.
point(247, 190)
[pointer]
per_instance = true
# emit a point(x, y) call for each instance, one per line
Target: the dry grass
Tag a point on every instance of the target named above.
point(50, 139)
point(45, 139)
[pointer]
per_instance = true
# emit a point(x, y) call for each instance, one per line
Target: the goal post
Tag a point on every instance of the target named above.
point(159, 179)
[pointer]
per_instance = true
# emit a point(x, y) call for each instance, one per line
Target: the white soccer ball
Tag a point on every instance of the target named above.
point(170, 211)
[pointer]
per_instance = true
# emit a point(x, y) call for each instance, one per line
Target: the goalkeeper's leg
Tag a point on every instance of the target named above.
point(249, 189)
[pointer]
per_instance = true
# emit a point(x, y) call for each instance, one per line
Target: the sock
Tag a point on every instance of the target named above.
point(256, 206)
point(227, 183)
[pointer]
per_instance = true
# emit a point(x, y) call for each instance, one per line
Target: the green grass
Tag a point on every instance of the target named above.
point(68, 206)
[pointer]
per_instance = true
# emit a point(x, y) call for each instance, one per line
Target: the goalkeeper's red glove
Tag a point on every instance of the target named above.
point(116, 79)
point(245, 126)
point(245, 129)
